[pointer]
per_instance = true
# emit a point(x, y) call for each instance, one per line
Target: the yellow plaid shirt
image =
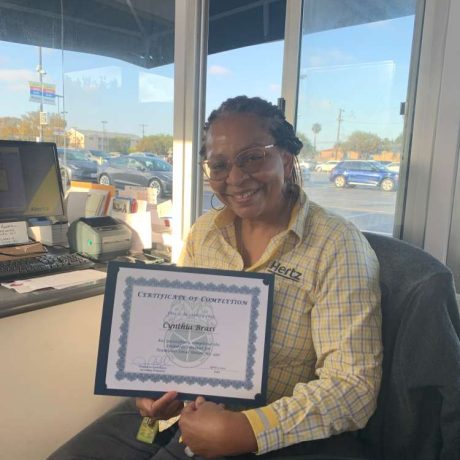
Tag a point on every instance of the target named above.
point(326, 351)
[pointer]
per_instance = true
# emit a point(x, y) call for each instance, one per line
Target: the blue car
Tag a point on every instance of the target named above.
point(350, 173)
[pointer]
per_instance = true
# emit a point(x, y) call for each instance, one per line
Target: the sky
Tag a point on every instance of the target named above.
point(360, 70)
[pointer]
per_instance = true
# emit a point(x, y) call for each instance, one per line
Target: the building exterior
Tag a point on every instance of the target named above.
point(98, 140)
point(339, 154)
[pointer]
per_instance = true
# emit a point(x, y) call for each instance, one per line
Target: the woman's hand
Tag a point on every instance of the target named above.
point(212, 431)
point(160, 409)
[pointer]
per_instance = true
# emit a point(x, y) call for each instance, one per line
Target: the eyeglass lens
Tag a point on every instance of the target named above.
point(249, 161)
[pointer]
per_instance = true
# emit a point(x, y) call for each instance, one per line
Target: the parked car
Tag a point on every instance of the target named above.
point(143, 154)
point(327, 166)
point(394, 167)
point(139, 170)
point(99, 156)
point(305, 171)
point(308, 164)
point(76, 165)
point(154, 155)
point(350, 173)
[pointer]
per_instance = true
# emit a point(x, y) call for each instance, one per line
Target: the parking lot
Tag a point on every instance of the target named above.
point(369, 208)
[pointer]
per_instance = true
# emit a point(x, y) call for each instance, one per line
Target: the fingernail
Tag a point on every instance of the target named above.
point(151, 422)
point(188, 452)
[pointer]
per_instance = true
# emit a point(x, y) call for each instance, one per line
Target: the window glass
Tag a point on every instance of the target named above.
point(161, 165)
point(98, 81)
point(120, 161)
point(253, 62)
point(353, 78)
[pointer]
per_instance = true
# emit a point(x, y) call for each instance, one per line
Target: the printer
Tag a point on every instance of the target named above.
point(99, 238)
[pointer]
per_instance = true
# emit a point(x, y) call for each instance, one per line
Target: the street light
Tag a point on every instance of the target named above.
point(104, 122)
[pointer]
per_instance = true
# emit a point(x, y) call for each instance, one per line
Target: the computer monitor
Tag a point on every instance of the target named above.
point(30, 181)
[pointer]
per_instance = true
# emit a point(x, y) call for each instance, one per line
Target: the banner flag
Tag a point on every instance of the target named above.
point(42, 92)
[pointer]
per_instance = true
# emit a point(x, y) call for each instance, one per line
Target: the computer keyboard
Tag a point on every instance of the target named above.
point(41, 265)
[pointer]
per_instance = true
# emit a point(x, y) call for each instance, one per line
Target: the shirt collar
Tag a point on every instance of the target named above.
point(299, 214)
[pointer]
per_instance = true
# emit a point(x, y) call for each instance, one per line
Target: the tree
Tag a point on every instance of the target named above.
point(27, 128)
point(119, 144)
point(161, 144)
point(398, 143)
point(366, 144)
point(9, 127)
point(307, 150)
point(316, 128)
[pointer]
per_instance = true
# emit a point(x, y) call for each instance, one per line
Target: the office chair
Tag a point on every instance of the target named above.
point(418, 409)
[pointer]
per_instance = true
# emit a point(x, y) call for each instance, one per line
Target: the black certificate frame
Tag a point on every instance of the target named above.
point(107, 324)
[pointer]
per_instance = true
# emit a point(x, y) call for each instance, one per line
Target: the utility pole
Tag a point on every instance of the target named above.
point(59, 96)
point(339, 122)
point(64, 113)
point(104, 122)
point(143, 125)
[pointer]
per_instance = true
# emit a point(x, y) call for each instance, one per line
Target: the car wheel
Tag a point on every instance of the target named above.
point(104, 179)
point(387, 185)
point(156, 184)
point(340, 181)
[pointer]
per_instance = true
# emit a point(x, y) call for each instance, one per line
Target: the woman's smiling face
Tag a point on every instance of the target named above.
point(256, 196)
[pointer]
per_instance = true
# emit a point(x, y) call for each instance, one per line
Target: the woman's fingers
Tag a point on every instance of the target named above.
point(199, 401)
point(144, 405)
point(165, 407)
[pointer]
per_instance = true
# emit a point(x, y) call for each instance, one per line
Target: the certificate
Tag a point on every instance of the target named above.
point(195, 331)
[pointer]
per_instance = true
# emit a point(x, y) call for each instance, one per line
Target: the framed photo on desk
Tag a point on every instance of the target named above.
point(195, 331)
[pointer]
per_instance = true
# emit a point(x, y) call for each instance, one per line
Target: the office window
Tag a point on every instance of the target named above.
point(353, 83)
point(251, 34)
point(95, 78)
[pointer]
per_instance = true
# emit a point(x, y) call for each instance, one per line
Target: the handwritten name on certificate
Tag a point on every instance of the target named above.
point(195, 331)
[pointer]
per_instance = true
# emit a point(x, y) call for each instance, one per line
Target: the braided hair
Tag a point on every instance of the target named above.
point(281, 130)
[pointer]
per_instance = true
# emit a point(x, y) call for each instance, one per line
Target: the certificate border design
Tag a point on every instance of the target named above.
point(130, 282)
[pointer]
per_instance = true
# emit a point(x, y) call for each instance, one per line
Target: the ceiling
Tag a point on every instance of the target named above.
point(142, 31)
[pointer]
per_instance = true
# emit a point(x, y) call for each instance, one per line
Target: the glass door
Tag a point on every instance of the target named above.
point(353, 76)
point(245, 56)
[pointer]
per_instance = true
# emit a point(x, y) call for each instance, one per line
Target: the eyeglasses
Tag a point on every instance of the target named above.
point(250, 161)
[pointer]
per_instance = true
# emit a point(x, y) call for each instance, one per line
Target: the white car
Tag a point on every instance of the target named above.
point(328, 166)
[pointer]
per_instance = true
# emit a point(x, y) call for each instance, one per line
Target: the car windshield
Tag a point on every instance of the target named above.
point(75, 154)
point(99, 153)
point(157, 165)
point(381, 167)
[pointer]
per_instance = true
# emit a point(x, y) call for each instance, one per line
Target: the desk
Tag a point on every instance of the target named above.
point(48, 358)
point(48, 361)
point(12, 303)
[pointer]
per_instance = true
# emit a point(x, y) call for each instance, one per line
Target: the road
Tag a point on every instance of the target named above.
point(368, 208)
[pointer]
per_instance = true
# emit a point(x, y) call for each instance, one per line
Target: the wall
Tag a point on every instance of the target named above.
point(48, 361)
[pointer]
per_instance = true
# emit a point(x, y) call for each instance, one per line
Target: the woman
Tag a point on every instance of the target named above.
point(325, 351)
point(326, 316)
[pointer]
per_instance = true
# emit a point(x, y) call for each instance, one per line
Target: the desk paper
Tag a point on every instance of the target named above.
point(13, 233)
